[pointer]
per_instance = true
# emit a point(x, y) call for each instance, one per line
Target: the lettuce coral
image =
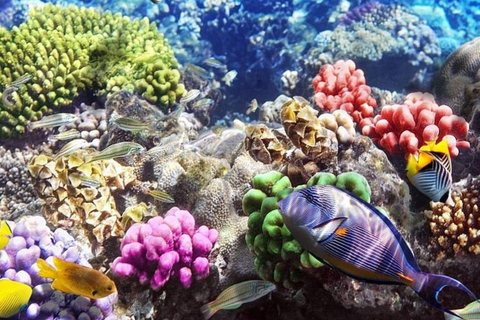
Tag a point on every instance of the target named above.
point(67, 50)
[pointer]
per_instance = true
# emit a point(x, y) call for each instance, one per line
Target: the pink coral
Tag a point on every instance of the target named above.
point(165, 247)
point(406, 127)
point(343, 86)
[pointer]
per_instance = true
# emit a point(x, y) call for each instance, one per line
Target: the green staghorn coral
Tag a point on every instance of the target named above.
point(67, 50)
point(279, 257)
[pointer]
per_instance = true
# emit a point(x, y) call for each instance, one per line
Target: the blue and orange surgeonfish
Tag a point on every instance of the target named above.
point(352, 236)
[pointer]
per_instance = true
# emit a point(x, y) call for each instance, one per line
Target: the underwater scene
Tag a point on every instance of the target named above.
point(239, 159)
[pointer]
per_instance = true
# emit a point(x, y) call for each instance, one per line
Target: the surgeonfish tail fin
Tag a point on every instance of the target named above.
point(46, 271)
point(431, 285)
point(207, 311)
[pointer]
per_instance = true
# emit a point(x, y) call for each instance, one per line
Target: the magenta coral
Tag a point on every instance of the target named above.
point(166, 247)
point(343, 86)
point(406, 127)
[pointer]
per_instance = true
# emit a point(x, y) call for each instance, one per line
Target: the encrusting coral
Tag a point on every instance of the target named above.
point(69, 202)
point(32, 239)
point(456, 228)
point(278, 256)
point(67, 50)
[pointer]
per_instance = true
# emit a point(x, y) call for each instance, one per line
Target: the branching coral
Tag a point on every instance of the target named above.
point(68, 50)
point(456, 228)
point(69, 202)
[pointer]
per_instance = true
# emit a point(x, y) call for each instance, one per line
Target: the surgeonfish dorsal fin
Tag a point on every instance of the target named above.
point(324, 230)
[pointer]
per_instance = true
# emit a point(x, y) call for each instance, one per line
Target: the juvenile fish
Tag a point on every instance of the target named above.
point(253, 106)
point(65, 135)
point(5, 234)
point(205, 102)
point(71, 147)
point(161, 196)
point(117, 150)
point(14, 86)
point(199, 71)
point(229, 77)
point(236, 295)
point(14, 297)
point(130, 124)
point(70, 277)
point(214, 63)
point(86, 181)
point(52, 121)
point(189, 96)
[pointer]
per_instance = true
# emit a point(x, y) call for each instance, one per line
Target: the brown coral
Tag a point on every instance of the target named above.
point(70, 201)
point(264, 145)
point(457, 228)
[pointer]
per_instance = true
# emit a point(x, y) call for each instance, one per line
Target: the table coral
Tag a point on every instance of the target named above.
point(406, 127)
point(32, 239)
point(166, 246)
point(67, 50)
point(278, 256)
point(70, 203)
point(456, 228)
point(343, 86)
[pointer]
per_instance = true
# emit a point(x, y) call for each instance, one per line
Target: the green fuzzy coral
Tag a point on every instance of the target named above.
point(279, 257)
point(67, 50)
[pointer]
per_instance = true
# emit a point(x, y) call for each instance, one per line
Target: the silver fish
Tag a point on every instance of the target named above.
point(52, 121)
point(229, 77)
point(86, 181)
point(117, 150)
point(205, 102)
point(65, 135)
point(130, 124)
point(14, 86)
point(470, 312)
point(236, 295)
point(71, 147)
point(161, 196)
point(253, 106)
point(214, 63)
point(189, 96)
point(199, 71)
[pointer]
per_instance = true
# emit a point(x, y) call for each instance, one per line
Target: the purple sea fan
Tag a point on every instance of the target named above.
point(165, 247)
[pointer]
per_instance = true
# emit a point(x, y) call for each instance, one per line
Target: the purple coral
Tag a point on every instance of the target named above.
point(162, 247)
point(32, 239)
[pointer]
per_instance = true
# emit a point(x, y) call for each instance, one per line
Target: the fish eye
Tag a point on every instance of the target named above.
point(94, 292)
point(109, 288)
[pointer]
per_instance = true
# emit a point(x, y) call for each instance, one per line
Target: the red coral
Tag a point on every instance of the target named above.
point(406, 127)
point(342, 86)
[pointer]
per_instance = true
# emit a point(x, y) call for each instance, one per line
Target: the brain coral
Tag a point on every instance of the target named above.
point(68, 49)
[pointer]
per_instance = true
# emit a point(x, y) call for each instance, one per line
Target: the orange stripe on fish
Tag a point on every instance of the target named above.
point(404, 277)
point(341, 231)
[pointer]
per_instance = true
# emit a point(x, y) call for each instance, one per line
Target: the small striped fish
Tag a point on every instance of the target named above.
point(130, 124)
point(117, 150)
point(14, 86)
point(214, 63)
point(52, 121)
point(198, 71)
point(236, 295)
point(470, 312)
point(189, 96)
point(65, 135)
point(85, 181)
point(431, 174)
point(71, 147)
point(161, 196)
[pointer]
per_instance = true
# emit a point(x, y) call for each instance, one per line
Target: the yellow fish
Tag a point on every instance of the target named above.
point(5, 234)
point(431, 172)
point(72, 278)
point(14, 297)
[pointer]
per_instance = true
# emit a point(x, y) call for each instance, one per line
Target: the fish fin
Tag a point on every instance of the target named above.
point(5, 229)
point(325, 230)
point(449, 316)
point(60, 264)
point(405, 247)
point(207, 311)
point(433, 284)
point(46, 270)
point(3, 242)
point(411, 166)
point(233, 306)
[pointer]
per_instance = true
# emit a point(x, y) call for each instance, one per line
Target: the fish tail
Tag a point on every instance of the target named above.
point(430, 286)
point(208, 311)
point(46, 271)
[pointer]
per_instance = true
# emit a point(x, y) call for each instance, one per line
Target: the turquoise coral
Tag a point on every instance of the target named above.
point(68, 50)
point(278, 257)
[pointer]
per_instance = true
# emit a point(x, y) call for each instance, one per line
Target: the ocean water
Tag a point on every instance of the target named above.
point(151, 141)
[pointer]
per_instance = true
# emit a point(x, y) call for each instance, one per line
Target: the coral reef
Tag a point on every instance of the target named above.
point(85, 51)
point(405, 128)
point(343, 86)
point(265, 145)
point(165, 247)
point(457, 82)
point(32, 239)
point(456, 228)
point(279, 257)
point(70, 202)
